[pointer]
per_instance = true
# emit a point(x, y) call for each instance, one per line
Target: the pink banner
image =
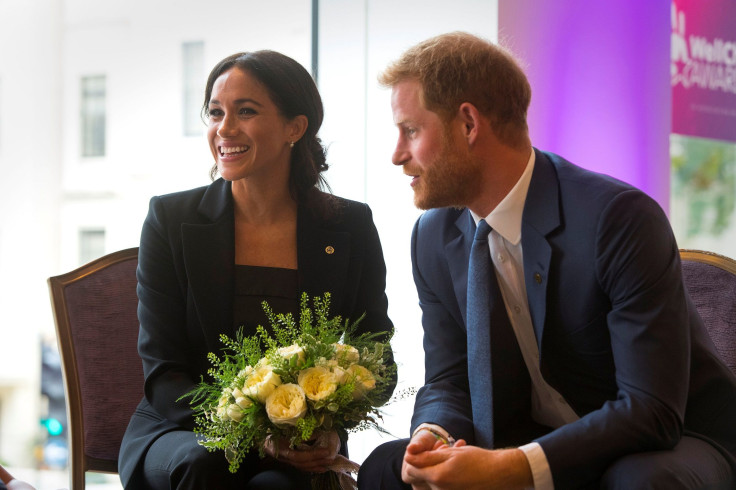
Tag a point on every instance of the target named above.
point(703, 68)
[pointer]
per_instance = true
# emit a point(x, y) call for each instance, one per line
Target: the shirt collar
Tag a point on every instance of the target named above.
point(506, 217)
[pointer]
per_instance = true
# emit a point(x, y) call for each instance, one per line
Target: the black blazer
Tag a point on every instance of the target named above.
point(186, 277)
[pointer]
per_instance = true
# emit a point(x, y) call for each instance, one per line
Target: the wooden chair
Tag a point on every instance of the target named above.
point(95, 310)
point(711, 281)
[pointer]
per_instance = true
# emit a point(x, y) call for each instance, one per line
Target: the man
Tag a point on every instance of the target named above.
point(578, 360)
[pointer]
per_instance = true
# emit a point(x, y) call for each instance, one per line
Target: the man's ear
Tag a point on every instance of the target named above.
point(470, 118)
point(297, 127)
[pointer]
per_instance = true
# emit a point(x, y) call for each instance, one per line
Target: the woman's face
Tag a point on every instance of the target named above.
point(248, 136)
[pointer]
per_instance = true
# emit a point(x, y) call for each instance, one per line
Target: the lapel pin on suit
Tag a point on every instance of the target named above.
point(538, 277)
point(329, 249)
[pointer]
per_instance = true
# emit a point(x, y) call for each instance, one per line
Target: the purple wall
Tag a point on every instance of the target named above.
point(600, 76)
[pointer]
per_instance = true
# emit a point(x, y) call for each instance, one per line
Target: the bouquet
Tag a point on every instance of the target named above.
point(295, 382)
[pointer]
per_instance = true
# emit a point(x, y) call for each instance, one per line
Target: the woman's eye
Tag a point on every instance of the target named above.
point(246, 111)
point(215, 113)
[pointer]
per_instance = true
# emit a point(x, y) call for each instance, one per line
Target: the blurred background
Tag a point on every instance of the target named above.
point(99, 111)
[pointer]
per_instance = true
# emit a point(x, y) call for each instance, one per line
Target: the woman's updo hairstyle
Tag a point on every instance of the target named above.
point(294, 92)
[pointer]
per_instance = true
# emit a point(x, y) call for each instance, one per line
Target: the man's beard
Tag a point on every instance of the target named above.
point(451, 180)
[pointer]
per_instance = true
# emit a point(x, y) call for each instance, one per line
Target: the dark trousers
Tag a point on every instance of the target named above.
point(692, 464)
point(177, 461)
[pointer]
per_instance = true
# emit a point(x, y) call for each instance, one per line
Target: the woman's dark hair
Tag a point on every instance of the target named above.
point(294, 93)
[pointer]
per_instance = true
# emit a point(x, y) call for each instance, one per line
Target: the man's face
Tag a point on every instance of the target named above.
point(433, 154)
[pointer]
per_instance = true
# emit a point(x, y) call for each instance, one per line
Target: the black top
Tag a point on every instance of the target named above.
point(255, 284)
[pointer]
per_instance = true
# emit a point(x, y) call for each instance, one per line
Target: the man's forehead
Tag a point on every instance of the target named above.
point(406, 98)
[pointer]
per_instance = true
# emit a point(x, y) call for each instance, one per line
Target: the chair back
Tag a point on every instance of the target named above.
point(711, 281)
point(95, 310)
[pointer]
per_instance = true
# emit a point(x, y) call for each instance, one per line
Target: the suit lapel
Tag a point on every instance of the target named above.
point(457, 245)
point(323, 256)
point(209, 258)
point(541, 216)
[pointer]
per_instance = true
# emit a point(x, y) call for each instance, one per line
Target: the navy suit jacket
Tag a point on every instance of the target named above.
point(186, 277)
point(618, 336)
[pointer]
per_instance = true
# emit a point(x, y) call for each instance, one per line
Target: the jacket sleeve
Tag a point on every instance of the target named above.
point(444, 399)
point(162, 344)
point(637, 266)
point(371, 296)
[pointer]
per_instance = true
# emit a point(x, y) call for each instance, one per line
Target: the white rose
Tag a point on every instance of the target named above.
point(261, 382)
point(227, 393)
point(341, 375)
point(364, 380)
point(243, 401)
point(245, 372)
point(346, 354)
point(291, 351)
point(222, 413)
point(223, 403)
point(317, 382)
point(286, 405)
point(234, 412)
point(328, 363)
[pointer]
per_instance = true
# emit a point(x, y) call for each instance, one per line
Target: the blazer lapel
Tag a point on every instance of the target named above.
point(457, 245)
point(323, 257)
point(209, 258)
point(541, 216)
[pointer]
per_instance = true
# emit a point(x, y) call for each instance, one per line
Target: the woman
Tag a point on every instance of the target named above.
point(209, 256)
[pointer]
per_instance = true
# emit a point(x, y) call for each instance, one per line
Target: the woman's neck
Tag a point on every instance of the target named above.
point(262, 204)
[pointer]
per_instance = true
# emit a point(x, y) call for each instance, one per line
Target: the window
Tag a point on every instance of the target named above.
point(91, 244)
point(93, 116)
point(193, 83)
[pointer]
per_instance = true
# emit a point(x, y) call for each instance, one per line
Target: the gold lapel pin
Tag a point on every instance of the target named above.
point(538, 277)
point(330, 249)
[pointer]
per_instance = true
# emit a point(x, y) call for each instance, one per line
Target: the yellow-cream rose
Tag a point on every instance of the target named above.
point(364, 380)
point(291, 351)
point(346, 354)
point(317, 382)
point(286, 405)
point(261, 382)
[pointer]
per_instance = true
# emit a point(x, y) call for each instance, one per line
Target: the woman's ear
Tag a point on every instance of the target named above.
point(470, 118)
point(297, 126)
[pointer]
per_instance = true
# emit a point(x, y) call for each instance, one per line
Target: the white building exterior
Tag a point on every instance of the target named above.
point(51, 196)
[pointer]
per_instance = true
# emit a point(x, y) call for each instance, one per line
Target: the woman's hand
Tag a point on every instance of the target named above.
point(313, 457)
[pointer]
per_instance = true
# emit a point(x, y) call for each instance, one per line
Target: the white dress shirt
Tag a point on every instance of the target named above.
point(548, 406)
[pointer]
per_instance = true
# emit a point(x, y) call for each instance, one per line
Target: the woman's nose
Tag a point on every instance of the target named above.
point(228, 126)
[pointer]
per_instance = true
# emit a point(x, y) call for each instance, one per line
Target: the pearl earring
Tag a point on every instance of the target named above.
point(291, 144)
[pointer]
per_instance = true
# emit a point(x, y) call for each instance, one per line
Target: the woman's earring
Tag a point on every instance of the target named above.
point(291, 144)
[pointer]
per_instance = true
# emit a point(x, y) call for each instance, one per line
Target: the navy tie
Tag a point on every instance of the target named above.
point(496, 369)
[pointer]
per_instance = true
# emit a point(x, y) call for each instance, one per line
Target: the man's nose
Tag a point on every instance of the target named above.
point(401, 155)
